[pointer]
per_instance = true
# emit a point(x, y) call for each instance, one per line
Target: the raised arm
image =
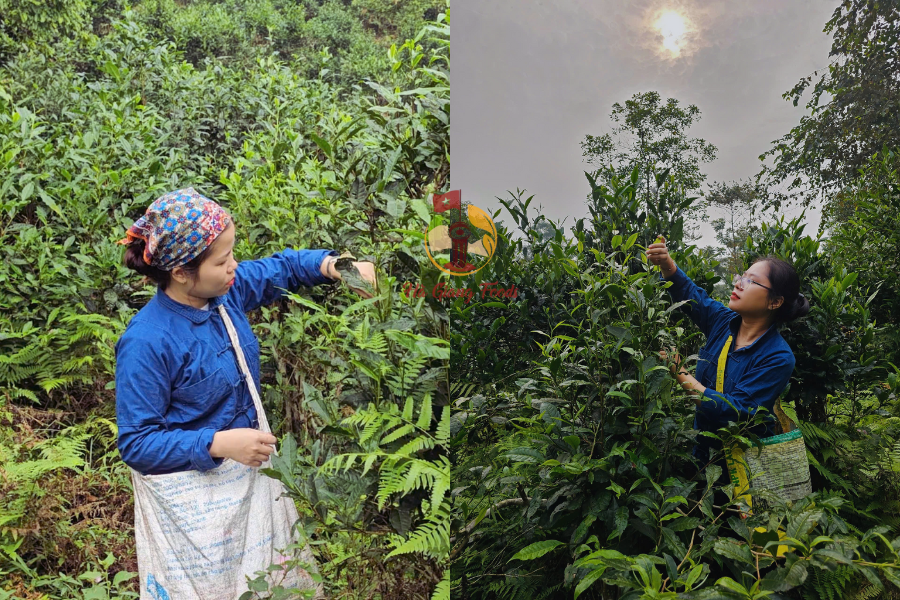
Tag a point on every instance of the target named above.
point(143, 394)
point(257, 282)
point(703, 310)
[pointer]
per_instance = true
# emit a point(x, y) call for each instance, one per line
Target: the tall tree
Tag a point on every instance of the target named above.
point(740, 204)
point(648, 134)
point(854, 106)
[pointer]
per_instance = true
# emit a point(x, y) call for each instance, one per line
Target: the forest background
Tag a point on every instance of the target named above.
point(570, 442)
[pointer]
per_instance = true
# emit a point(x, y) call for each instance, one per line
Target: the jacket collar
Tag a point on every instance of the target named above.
point(194, 314)
point(735, 326)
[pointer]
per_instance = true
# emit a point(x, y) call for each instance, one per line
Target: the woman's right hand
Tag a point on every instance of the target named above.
point(247, 446)
point(658, 254)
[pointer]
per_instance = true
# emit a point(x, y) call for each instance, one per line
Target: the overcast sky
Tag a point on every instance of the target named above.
point(531, 77)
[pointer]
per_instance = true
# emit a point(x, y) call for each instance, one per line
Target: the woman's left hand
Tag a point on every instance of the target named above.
point(685, 379)
point(676, 359)
point(367, 272)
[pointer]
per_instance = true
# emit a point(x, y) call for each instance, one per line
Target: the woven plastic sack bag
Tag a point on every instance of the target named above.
point(780, 467)
point(199, 534)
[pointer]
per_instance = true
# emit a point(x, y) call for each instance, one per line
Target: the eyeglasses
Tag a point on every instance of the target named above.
point(740, 281)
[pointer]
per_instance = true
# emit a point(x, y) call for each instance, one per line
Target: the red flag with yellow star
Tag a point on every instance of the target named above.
point(445, 202)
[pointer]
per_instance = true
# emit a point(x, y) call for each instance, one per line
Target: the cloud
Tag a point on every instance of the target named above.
point(532, 77)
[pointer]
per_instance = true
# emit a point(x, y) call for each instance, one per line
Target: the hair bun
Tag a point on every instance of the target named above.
point(134, 260)
point(801, 307)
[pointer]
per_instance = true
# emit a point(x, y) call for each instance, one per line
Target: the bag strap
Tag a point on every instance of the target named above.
point(784, 421)
point(257, 402)
point(720, 369)
point(734, 458)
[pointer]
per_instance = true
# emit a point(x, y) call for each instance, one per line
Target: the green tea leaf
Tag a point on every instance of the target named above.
point(536, 550)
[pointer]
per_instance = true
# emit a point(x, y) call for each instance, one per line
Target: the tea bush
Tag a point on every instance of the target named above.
point(571, 446)
point(327, 39)
point(29, 22)
point(93, 127)
point(865, 218)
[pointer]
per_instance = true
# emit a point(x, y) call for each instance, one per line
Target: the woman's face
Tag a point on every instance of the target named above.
point(216, 274)
point(753, 299)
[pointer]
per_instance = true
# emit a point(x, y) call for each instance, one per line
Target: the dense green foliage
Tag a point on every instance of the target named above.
point(572, 445)
point(865, 224)
point(852, 102)
point(308, 148)
point(652, 135)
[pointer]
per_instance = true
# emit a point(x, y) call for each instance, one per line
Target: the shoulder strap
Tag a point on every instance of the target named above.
point(720, 371)
point(787, 424)
point(257, 402)
point(784, 421)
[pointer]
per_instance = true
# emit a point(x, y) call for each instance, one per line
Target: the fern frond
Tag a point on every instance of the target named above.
point(818, 438)
point(404, 378)
point(443, 430)
point(416, 445)
point(367, 340)
point(20, 393)
point(396, 434)
point(391, 482)
point(62, 452)
point(442, 590)
point(892, 459)
point(424, 421)
point(827, 585)
point(461, 389)
point(832, 477)
point(431, 538)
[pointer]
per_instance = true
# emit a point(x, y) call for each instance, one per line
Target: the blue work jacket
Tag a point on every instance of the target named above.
point(754, 376)
point(178, 381)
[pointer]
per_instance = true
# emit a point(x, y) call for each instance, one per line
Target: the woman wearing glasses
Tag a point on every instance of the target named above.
point(759, 362)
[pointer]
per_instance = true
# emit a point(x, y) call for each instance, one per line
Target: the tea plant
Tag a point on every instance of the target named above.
point(572, 473)
point(317, 151)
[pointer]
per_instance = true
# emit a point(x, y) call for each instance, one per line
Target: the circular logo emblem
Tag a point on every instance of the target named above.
point(470, 234)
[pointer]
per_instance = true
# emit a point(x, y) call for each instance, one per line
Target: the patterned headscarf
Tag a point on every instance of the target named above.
point(177, 227)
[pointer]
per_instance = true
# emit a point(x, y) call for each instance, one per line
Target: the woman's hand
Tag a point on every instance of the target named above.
point(676, 360)
point(247, 446)
point(366, 271)
point(658, 254)
point(685, 379)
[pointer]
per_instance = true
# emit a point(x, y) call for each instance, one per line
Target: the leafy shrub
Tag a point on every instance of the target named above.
point(331, 40)
point(572, 471)
point(87, 140)
point(865, 223)
point(25, 23)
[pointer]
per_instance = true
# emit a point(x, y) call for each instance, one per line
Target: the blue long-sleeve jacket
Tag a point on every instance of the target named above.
point(755, 376)
point(177, 378)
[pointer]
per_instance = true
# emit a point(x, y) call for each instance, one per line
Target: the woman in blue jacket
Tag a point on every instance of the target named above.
point(759, 363)
point(181, 401)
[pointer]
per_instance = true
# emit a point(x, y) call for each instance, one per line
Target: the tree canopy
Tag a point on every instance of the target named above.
point(854, 105)
point(652, 133)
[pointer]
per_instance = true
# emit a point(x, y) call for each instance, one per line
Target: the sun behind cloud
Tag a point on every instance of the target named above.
point(672, 27)
point(675, 30)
